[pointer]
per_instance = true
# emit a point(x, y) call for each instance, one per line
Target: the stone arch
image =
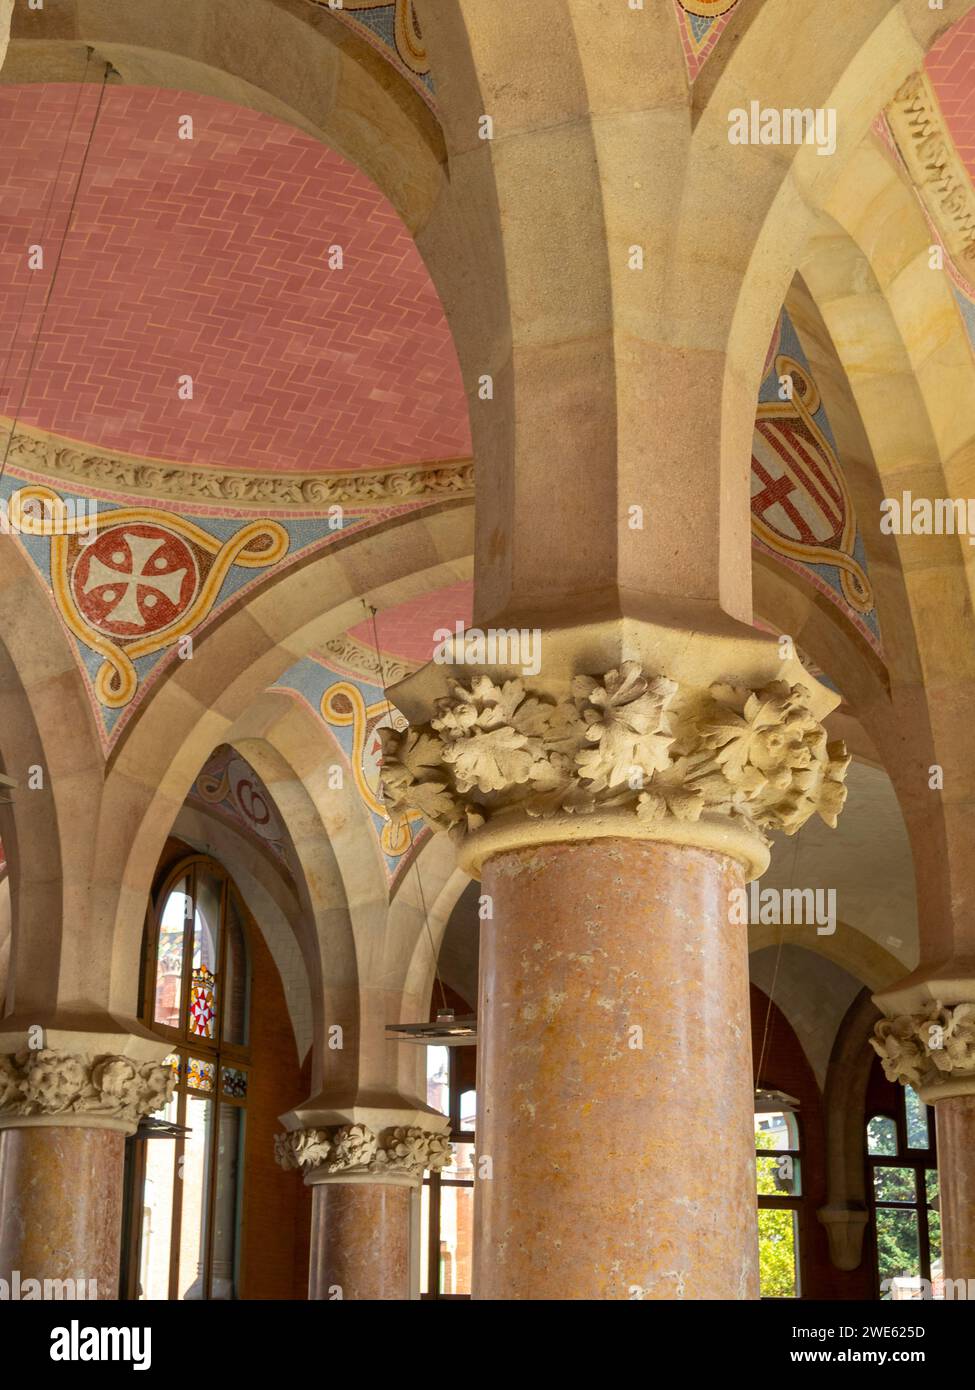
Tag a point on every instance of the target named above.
point(297, 63)
point(866, 267)
point(234, 662)
point(272, 902)
point(45, 722)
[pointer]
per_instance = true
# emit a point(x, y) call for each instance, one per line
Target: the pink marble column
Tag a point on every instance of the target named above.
point(61, 1205)
point(617, 1171)
point(955, 1119)
point(360, 1239)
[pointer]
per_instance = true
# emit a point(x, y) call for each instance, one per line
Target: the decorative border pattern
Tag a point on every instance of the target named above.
point(355, 711)
point(392, 28)
point(44, 457)
point(701, 23)
point(927, 149)
point(228, 785)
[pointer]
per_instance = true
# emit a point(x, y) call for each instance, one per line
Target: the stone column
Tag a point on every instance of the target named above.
point(614, 820)
point(932, 1049)
point(363, 1183)
point(64, 1115)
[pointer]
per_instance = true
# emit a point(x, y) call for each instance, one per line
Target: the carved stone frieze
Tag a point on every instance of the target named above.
point(49, 1082)
point(361, 660)
point(94, 470)
point(629, 742)
point(939, 174)
point(927, 1048)
point(354, 1149)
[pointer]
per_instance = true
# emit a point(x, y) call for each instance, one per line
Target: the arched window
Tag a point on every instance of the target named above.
point(903, 1181)
point(779, 1186)
point(186, 1192)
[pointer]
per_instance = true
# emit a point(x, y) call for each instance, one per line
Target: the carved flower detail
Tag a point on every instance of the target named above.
point(302, 1148)
point(914, 1048)
point(402, 1149)
point(624, 741)
point(492, 735)
point(53, 1082)
point(625, 715)
point(901, 1053)
point(413, 777)
point(11, 1086)
point(405, 1148)
point(352, 1146)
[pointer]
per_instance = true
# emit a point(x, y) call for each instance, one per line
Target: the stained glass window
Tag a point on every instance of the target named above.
point(202, 1002)
point(185, 1242)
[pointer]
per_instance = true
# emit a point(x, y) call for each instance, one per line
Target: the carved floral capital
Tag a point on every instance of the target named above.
point(926, 1049)
point(630, 742)
point(354, 1149)
point(49, 1082)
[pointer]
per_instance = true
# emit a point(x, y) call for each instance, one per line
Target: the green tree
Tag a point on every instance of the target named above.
point(776, 1232)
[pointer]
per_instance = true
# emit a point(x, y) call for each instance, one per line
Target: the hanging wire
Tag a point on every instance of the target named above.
point(409, 827)
point(775, 976)
point(57, 263)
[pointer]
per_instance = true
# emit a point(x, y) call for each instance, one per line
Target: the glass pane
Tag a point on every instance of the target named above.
point(931, 1185)
point(157, 1211)
point(934, 1250)
point(894, 1185)
point(778, 1176)
point(917, 1119)
point(206, 954)
point(777, 1242)
point(456, 1227)
point(236, 977)
point(194, 1216)
point(778, 1131)
point(462, 1163)
point(169, 955)
point(425, 1238)
point(438, 1079)
point(229, 1149)
point(882, 1137)
point(199, 1074)
point(234, 1083)
point(468, 1111)
point(897, 1252)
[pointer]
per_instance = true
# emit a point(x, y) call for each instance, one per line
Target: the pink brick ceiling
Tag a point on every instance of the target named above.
point(209, 257)
point(406, 631)
point(951, 69)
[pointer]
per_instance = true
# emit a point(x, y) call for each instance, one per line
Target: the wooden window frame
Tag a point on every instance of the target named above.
point(436, 1182)
point(921, 1161)
point(220, 1054)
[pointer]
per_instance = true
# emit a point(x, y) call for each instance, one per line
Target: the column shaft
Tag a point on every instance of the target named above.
point(619, 1171)
point(955, 1119)
point(61, 1205)
point(360, 1241)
